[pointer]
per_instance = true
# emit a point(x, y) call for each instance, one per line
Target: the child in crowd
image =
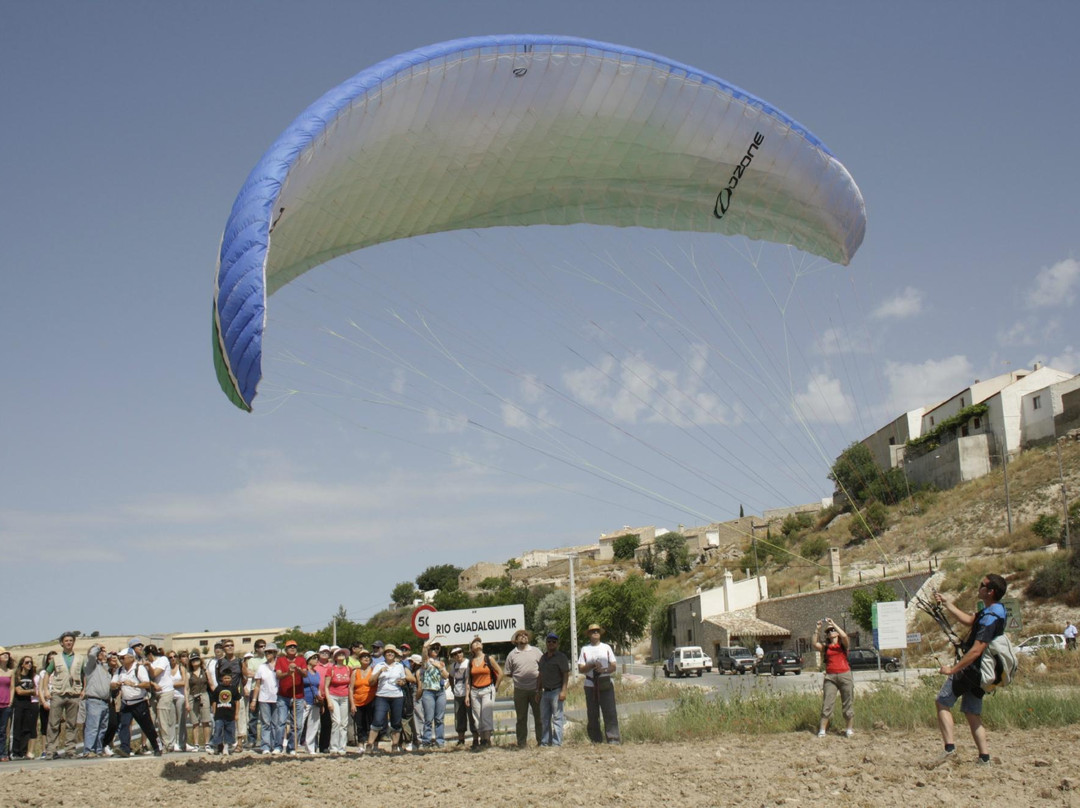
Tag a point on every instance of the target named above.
point(225, 697)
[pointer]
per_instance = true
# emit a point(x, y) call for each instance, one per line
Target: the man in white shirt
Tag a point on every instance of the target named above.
point(597, 662)
point(1070, 636)
point(161, 675)
point(264, 698)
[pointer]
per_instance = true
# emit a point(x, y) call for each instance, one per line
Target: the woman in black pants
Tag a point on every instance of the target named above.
point(25, 709)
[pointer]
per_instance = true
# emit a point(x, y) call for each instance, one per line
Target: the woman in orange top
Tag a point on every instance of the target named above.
point(484, 675)
point(362, 706)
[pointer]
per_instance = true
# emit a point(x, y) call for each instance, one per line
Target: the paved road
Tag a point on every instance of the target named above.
point(729, 684)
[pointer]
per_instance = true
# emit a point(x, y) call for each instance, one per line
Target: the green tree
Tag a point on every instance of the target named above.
point(861, 479)
point(442, 576)
point(863, 600)
point(548, 612)
point(448, 600)
point(622, 608)
point(671, 556)
point(403, 594)
point(624, 546)
point(869, 522)
point(648, 561)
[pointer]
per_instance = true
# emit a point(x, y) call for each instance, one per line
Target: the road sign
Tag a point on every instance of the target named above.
point(421, 620)
point(914, 638)
point(890, 630)
point(491, 624)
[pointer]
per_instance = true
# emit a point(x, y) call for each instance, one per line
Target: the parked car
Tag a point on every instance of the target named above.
point(862, 659)
point(687, 660)
point(780, 662)
point(735, 659)
point(1042, 642)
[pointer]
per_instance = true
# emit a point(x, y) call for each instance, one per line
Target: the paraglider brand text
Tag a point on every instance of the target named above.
point(723, 199)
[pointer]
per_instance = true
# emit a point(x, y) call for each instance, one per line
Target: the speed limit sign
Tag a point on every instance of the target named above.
point(421, 620)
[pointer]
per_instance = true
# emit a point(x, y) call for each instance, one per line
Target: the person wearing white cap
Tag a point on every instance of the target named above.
point(264, 698)
point(134, 683)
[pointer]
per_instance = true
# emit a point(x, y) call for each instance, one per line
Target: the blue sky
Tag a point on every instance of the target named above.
point(135, 498)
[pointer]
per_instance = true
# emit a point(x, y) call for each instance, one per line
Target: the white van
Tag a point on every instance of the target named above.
point(686, 660)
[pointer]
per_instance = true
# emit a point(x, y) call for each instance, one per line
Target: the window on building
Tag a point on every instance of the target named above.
point(961, 402)
point(803, 645)
point(689, 636)
point(964, 431)
point(1036, 402)
point(247, 641)
point(204, 643)
point(931, 420)
point(892, 441)
point(976, 423)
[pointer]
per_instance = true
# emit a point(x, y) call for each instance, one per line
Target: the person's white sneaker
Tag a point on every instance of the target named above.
point(277, 751)
point(107, 751)
point(821, 733)
point(225, 749)
point(849, 732)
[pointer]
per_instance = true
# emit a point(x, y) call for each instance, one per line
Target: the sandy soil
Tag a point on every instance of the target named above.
point(882, 769)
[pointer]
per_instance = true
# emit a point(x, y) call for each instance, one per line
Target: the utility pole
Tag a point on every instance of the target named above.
point(573, 615)
point(1005, 469)
point(1064, 495)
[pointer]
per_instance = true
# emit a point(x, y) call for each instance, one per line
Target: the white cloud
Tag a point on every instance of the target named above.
point(824, 401)
point(1019, 333)
point(441, 423)
point(904, 305)
point(1068, 360)
point(834, 342)
point(634, 390)
point(1056, 285)
point(921, 384)
point(525, 413)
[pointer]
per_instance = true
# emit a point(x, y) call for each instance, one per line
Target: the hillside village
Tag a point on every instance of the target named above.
point(974, 434)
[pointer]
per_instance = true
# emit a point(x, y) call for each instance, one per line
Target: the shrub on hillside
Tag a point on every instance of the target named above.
point(870, 522)
point(1047, 527)
point(1058, 578)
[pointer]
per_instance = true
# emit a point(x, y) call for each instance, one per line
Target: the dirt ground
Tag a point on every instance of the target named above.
point(881, 769)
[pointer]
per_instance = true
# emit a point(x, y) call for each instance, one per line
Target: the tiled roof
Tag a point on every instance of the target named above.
point(744, 623)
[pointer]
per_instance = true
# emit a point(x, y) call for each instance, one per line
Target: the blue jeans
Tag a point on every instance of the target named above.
point(224, 733)
point(272, 718)
point(434, 702)
point(97, 721)
point(253, 727)
point(292, 736)
point(551, 718)
point(387, 707)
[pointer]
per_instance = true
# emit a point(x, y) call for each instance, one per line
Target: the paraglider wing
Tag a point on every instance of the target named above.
point(518, 130)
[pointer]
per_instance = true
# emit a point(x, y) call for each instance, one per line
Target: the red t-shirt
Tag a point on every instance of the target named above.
point(836, 659)
point(293, 684)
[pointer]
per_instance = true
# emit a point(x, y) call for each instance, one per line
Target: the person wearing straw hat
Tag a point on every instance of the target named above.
point(523, 668)
point(597, 662)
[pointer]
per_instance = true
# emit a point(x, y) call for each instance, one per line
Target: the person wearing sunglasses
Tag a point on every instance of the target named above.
point(986, 624)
